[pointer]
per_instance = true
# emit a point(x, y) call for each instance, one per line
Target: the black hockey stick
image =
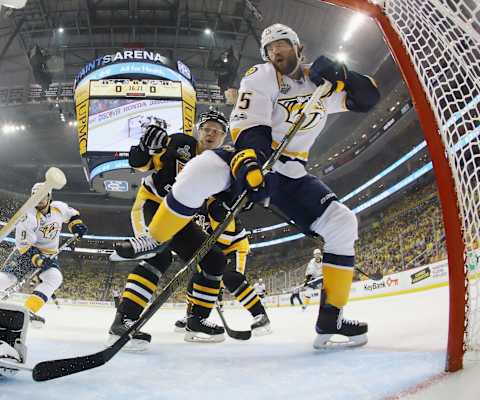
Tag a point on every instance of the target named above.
point(376, 276)
point(47, 370)
point(238, 335)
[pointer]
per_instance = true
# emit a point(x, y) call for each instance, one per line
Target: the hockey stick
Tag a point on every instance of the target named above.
point(9, 291)
point(376, 276)
point(238, 335)
point(47, 370)
point(54, 179)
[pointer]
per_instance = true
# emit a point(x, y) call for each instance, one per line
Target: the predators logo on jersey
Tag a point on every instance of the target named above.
point(50, 231)
point(295, 105)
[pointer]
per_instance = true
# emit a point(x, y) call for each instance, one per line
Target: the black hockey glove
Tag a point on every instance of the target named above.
point(325, 69)
point(155, 137)
point(248, 174)
point(40, 260)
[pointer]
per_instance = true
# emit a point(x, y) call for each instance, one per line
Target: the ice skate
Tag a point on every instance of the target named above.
point(180, 325)
point(330, 322)
point(136, 248)
point(36, 321)
point(261, 325)
point(139, 341)
point(201, 330)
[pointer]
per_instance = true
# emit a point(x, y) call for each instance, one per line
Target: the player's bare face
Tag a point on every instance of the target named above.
point(283, 56)
point(211, 135)
point(43, 204)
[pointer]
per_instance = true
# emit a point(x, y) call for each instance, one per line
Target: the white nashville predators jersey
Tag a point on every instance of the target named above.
point(259, 288)
point(268, 98)
point(314, 269)
point(43, 231)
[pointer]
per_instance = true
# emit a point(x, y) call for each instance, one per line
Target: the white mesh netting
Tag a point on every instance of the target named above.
point(442, 38)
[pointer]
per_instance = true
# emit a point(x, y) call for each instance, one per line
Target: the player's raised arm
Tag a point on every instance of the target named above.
point(361, 90)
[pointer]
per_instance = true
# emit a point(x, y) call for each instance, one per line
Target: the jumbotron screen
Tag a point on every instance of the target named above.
point(115, 124)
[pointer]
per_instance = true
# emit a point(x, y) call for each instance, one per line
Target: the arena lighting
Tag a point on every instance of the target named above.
point(207, 31)
point(354, 23)
point(342, 57)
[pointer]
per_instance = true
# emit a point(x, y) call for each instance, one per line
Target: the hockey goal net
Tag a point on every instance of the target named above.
point(436, 44)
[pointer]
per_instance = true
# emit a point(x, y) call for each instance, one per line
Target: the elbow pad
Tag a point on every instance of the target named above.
point(258, 138)
point(362, 92)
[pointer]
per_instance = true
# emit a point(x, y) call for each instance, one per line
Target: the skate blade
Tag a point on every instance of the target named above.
point(324, 341)
point(115, 257)
point(132, 346)
point(199, 337)
point(179, 330)
point(37, 324)
point(262, 331)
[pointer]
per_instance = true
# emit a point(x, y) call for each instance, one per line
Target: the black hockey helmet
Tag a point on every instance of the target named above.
point(213, 115)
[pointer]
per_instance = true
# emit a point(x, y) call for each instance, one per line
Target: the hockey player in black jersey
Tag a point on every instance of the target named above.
point(235, 245)
point(165, 155)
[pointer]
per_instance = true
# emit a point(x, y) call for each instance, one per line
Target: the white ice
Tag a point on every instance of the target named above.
point(404, 358)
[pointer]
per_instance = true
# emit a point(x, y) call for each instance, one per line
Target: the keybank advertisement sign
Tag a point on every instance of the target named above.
point(148, 59)
point(428, 275)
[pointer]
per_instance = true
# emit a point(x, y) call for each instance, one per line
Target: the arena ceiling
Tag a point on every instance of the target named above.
point(176, 28)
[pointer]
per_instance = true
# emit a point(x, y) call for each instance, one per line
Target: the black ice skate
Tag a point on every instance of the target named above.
point(36, 320)
point(199, 329)
point(181, 324)
point(261, 325)
point(137, 248)
point(331, 322)
point(139, 341)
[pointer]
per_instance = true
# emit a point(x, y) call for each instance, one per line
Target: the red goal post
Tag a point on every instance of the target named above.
point(436, 45)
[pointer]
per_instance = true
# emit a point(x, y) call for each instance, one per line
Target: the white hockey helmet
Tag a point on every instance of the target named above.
point(38, 186)
point(277, 32)
point(260, 280)
point(47, 198)
point(317, 252)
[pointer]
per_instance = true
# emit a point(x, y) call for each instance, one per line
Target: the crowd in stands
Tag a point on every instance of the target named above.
point(404, 235)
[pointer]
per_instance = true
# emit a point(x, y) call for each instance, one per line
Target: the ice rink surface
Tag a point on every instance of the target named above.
point(404, 358)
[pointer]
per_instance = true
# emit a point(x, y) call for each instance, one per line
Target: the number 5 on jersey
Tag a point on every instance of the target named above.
point(244, 100)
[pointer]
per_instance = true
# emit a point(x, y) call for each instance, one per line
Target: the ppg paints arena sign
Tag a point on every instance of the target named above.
point(126, 56)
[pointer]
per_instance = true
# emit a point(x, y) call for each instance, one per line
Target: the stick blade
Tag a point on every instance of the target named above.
point(239, 335)
point(376, 276)
point(47, 370)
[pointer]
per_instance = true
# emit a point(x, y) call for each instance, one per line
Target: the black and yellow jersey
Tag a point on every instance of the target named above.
point(165, 165)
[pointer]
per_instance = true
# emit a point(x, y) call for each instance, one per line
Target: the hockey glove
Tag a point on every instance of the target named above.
point(325, 69)
point(308, 278)
point(155, 137)
point(248, 174)
point(43, 261)
point(77, 227)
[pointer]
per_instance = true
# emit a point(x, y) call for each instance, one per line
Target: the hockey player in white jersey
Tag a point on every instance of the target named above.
point(37, 237)
point(271, 95)
point(314, 271)
point(313, 277)
point(260, 289)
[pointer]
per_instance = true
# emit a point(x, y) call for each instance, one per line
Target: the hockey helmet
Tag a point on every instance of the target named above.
point(213, 115)
point(277, 32)
point(317, 252)
point(38, 186)
point(45, 201)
